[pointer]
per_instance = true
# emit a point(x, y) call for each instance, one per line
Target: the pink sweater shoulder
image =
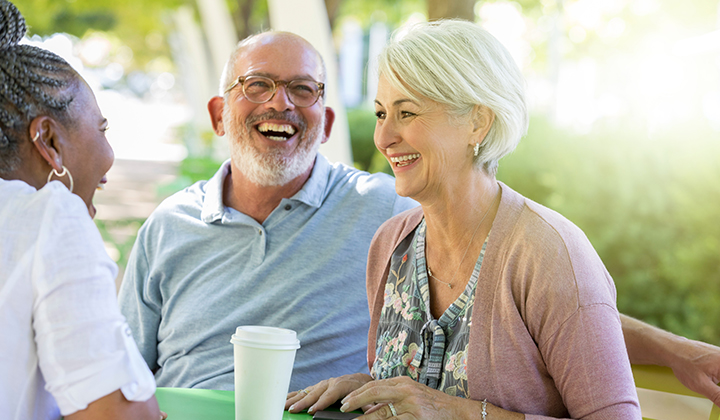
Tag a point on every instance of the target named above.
point(545, 338)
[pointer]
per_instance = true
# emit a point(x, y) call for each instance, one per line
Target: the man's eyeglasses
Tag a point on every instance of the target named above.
point(260, 89)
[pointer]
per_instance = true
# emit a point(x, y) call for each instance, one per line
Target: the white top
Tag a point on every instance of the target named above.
point(63, 341)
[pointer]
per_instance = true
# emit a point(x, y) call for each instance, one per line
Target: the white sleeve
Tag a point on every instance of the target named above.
point(85, 347)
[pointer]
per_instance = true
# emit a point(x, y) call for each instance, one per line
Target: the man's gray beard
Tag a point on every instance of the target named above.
point(271, 168)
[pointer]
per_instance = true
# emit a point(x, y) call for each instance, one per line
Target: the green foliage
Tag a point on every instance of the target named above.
point(361, 122)
point(119, 235)
point(137, 22)
point(648, 204)
point(391, 12)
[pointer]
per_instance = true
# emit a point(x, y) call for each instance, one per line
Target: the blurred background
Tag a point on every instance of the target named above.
point(624, 138)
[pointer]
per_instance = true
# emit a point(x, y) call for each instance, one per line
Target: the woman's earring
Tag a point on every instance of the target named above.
point(62, 174)
point(37, 136)
point(476, 149)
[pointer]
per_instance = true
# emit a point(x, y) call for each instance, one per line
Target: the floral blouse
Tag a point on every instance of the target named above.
point(410, 342)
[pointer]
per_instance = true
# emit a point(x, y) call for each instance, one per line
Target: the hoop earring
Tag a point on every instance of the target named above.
point(37, 136)
point(476, 149)
point(62, 174)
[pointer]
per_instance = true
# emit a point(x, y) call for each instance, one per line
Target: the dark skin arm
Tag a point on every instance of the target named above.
point(114, 406)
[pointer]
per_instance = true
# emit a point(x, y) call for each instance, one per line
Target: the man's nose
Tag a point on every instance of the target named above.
point(280, 100)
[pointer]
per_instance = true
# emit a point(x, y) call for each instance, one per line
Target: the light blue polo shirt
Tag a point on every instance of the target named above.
point(199, 269)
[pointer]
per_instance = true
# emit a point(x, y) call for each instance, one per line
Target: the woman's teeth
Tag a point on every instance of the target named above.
point(277, 132)
point(405, 160)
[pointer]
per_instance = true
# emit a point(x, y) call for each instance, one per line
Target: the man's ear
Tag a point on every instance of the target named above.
point(483, 118)
point(215, 108)
point(329, 120)
point(46, 138)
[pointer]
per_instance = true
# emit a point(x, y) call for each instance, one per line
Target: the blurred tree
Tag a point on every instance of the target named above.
point(462, 9)
point(249, 16)
point(138, 23)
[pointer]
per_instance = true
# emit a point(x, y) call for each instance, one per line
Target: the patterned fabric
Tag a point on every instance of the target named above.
point(410, 341)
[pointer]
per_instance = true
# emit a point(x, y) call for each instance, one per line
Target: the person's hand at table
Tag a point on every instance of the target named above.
point(694, 363)
point(403, 398)
point(325, 393)
point(698, 368)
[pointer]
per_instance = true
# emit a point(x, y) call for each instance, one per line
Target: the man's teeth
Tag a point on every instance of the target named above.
point(404, 160)
point(277, 132)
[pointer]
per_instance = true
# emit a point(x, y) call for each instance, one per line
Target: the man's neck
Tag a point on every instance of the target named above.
point(255, 200)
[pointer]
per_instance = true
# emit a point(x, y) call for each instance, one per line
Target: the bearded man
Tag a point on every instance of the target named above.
point(278, 237)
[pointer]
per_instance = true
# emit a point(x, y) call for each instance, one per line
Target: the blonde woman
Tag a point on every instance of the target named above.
point(483, 304)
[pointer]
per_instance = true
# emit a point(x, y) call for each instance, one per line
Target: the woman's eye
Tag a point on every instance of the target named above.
point(406, 114)
point(380, 115)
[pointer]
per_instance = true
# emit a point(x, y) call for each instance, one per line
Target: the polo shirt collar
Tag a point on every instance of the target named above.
point(312, 193)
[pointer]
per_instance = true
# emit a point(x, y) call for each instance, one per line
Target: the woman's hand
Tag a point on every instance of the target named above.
point(697, 366)
point(325, 393)
point(403, 398)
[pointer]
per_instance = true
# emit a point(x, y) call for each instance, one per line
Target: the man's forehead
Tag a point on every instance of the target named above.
point(270, 54)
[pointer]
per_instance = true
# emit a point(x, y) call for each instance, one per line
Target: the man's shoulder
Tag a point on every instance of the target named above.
point(186, 204)
point(360, 181)
point(372, 192)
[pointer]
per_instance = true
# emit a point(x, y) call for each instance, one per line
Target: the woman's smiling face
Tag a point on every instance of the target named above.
point(87, 153)
point(426, 147)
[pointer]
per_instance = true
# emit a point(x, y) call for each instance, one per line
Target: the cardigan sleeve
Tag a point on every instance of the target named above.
point(567, 300)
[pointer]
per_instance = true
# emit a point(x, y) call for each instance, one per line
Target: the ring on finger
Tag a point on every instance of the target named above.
point(392, 409)
point(303, 391)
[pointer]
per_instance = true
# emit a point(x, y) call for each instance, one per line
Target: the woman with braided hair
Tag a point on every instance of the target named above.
point(65, 349)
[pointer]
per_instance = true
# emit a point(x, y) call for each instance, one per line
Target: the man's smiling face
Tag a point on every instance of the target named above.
point(275, 142)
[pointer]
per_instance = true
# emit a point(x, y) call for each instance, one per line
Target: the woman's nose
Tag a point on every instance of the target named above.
point(386, 134)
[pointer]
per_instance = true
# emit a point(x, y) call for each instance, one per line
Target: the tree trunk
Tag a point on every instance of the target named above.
point(332, 7)
point(449, 9)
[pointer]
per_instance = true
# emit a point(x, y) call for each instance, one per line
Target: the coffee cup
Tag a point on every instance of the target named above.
point(264, 358)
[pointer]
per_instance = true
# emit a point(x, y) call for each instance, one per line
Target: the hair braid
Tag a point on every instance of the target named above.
point(33, 81)
point(11, 19)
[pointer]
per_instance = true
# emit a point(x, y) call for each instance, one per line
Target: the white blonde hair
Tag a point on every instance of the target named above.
point(460, 65)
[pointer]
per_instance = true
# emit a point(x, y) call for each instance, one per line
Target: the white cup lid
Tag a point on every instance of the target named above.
point(265, 337)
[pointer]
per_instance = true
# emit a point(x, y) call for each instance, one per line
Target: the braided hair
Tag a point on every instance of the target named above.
point(33, 82)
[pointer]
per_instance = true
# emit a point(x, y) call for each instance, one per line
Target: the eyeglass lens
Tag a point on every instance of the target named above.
point(260, 89)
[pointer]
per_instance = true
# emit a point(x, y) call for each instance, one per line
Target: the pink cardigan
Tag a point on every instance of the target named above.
point(546, 338)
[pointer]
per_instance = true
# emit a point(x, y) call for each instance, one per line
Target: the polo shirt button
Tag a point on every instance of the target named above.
point(288, 207)
point(259, 231)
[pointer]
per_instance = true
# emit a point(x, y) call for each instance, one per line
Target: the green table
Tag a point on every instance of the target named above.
point(204, 404)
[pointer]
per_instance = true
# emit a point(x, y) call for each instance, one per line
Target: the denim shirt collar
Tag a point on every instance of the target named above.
point(312, 193)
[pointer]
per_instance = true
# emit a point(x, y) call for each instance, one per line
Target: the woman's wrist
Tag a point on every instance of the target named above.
point(484, 410)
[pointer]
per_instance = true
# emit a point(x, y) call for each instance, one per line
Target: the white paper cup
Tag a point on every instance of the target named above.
point(264, 358)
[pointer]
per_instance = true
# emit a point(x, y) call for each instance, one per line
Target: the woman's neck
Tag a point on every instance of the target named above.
point(457, 224)
point(454, 213)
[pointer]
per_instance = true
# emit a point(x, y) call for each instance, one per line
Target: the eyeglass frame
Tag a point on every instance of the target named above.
point(240, 80)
